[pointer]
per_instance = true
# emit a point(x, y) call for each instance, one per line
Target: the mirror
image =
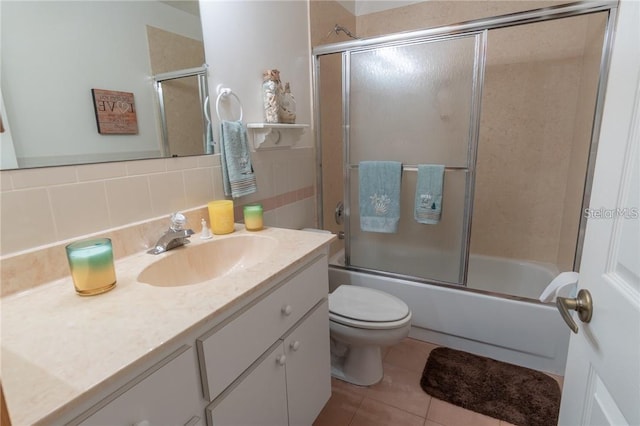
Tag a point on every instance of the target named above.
point(55, 53)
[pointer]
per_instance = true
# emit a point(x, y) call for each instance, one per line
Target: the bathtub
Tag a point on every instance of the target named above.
point(510, 329)
point(509, 276)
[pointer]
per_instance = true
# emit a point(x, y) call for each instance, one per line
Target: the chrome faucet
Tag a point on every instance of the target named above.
point(175, 236)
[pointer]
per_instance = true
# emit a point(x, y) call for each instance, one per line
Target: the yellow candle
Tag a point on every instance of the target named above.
point(91, 265)
point(221, 216)
point(253, 217)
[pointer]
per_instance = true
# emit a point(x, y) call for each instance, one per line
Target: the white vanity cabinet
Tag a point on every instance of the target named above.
point(166, 394)
point(288, 384)
point(272, 358)
point(268, 363)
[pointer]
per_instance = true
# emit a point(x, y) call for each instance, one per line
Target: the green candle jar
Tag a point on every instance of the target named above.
point(91, 265)
point(253, 217)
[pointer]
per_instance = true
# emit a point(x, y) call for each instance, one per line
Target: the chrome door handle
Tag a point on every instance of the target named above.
point(583, 304)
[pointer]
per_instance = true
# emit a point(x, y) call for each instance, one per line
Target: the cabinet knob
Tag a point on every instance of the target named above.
point(294, 345)
point(287, 309)
point(281, 359)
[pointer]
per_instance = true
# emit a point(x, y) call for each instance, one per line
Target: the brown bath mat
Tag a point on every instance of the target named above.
point(503, 391)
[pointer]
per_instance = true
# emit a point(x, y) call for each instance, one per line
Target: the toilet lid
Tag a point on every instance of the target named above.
point(366, 304)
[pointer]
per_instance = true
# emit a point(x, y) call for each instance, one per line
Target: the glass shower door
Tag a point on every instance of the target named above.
point(416, 103)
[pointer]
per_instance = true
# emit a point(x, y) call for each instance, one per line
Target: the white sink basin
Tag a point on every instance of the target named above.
point(203, 262)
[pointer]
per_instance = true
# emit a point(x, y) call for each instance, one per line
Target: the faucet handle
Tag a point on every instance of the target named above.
point(178, 220)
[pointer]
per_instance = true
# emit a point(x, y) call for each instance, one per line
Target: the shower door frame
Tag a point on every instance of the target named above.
point(466, 28)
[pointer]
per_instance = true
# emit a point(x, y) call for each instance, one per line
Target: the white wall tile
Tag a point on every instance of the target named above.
point(143, 167)
point(6, 184)
point(79, 209)
point(208, 160)
point(129, 200)
point(303, 172)
point(218, 188)
point(26, 220)
point(34, 178)
point(89, 172)
point(270, 218)
point(264, 176)
point(198, 184)
point(181, 163)
point(167, 193)
point(281, 177)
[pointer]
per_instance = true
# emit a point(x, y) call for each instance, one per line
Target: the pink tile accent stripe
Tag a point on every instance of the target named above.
point(276, 201)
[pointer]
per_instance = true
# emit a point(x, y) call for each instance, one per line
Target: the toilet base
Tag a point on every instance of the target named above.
point(362, 366)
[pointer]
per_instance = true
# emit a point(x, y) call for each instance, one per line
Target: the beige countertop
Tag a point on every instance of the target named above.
point(59, 348)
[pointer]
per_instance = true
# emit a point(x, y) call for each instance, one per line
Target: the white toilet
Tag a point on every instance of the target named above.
point(362, 321)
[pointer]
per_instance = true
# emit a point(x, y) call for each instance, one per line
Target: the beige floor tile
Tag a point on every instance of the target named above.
point(559, 379)
point(342, 406)
point(431, 423)
point(345, 387)
point(375, 413)
point(503, 423)
point(411, 354)
point(400, 388)
point(385, 350)
point(452, 415)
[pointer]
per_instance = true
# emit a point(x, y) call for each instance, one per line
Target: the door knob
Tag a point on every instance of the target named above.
point(583, 304)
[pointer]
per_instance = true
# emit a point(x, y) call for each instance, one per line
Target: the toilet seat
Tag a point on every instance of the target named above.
point(363, 307)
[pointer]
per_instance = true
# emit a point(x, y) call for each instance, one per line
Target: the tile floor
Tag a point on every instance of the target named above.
point(398, 399)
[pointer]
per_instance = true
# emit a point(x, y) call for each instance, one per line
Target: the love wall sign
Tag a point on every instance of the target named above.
point(115, 112)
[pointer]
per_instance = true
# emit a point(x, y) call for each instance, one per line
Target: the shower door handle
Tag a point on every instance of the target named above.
point(583, 304)
point(339, 214)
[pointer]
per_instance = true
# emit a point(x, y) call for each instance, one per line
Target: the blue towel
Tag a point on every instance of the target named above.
point(379, 195)
point(428, 201)
point(237, 173)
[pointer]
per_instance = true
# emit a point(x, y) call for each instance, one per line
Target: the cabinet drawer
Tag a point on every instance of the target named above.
point(227, 351)
point(167, 393)
point(257, 398)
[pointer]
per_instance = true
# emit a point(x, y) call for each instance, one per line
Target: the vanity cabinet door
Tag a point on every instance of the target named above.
point(308, 367)
point(166, 394)
point(257, 398)
point(226, 351)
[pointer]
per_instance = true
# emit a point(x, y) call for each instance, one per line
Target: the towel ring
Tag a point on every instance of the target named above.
point(224, 92)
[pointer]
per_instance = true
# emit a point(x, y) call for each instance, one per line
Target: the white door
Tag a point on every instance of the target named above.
point(602, 381)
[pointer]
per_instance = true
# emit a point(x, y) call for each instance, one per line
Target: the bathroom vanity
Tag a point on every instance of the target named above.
point(250, 346)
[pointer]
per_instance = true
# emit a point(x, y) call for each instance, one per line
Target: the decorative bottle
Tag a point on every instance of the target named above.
point(287, 106)
point(271, 89)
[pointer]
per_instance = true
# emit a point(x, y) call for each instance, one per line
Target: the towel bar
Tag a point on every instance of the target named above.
point(414, 168)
